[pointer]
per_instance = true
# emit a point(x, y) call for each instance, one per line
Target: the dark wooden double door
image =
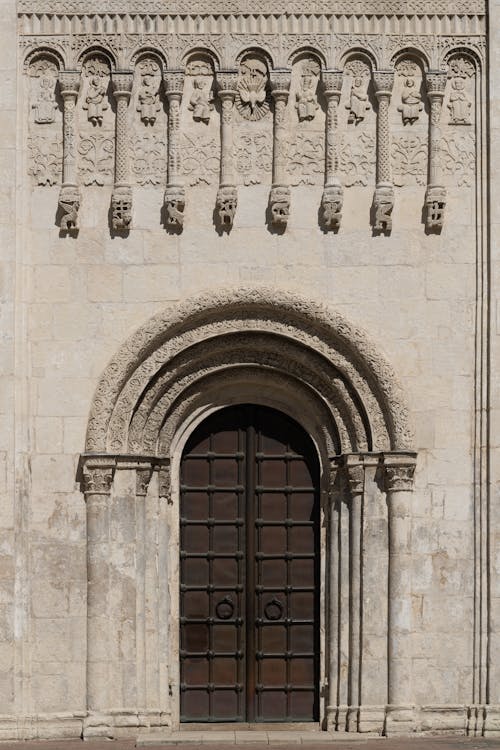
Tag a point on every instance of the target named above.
point(249, 561)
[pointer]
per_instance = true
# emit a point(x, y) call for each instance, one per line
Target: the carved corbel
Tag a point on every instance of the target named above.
point(435, 195)
point(383, 200)
point(332, 199)
point(121, 200)
point(227, 194)
point(279, 198)
point(175, 199)
point(69, 197)
point(165, 482)
point(143, 476)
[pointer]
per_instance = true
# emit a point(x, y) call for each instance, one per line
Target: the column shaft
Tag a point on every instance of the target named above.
point(355, 477)
point(227, 195)
point(332, 199)
point(279, 198)
point(333, 598)
point(175, 200)
point(384, 192)
point(121, 201)
point(69, 197)
point(435, 196)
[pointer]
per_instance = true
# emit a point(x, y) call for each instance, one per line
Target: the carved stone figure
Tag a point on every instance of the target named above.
point(69, 203)
point(121, 208)
point(459, 103)
point(149, 100)
point(331, 206)
point(383, 203)
point(252, 101)
point(307, 102)
point(174, 202)
point(411, 102)
point(435, 202)
point(201, 102)
point(95, 100)
point(45, 106)
point(279, 204)
point(358, 103)
point(226, 204)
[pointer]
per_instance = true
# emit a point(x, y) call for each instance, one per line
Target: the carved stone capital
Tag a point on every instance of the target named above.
point(383, 81)
point(331, 83)
point(435, 83)
point(399, 470)
point(173, 83)
point(69, 83)
point(143, 476)
point(165, 482)
point(98, 476)
point(174, 201)
point(279, 205)
point(383, 202)
point(121, 83)
point(331, 205)
point(435, 202)
point(279, 83)
point(69, 203)
point(355, 474)
point(226, 82)
point(121, 207)
point(226, 204)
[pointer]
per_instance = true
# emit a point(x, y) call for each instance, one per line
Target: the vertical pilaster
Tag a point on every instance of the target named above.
point(383, 200)
point(398, 474)
point(97, 481)
point(121, 201)
point(143, 475)
point(435, 195)
point(332, 199)
point(69, 197)
point(227, 195)
point(279, 198)
point(333, 596)
point(355, 476)
point(175, 199)
point(164, 613)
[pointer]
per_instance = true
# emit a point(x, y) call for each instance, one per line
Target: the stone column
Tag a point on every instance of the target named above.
point(355, 475)
point(333, 596)
point(121, 200)
point(435, 195)
point(97, 479)
point(399, 469)
point(227, 194)
point(69, 197)
point(165, 625)
point(383, 199)
point(279, 198)
point(143, 475)
point(332, 199)
point(175, 200)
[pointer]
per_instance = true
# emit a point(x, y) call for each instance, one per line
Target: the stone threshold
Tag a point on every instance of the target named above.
point(251, 737)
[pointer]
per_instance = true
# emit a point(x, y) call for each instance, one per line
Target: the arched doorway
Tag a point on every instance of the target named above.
point(249, 569)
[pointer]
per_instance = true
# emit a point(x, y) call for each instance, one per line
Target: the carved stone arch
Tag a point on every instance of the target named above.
point(307, 52)
point(201, 53)
point(261, 51)
point(315, 328)
point(96, 51)
point(468, 53)
point(141, 52)
point(413, 53)
point(48, 52)
point(359, 53)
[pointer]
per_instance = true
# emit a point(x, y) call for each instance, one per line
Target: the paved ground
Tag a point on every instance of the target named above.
point(416, 743)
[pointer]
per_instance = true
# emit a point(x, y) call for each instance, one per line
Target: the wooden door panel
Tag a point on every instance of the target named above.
point(249, 570)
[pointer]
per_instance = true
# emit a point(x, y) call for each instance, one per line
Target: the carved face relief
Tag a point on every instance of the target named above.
point(148, 98)
point(96, 74)
point(44, 73)
point(251, 100)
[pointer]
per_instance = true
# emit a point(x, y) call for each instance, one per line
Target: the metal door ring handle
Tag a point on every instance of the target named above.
point(225, 608)
point(273, 609)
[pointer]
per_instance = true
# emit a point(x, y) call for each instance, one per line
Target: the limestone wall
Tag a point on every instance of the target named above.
point(419, 291)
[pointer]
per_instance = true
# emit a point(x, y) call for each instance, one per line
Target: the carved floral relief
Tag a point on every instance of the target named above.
point(409, 160)
point(96, 156)
point(458, 158)
point(305, 158)
point(357, 159)
point(149, 159)
point(254, 157)
point(200, 159)
point(45, 160)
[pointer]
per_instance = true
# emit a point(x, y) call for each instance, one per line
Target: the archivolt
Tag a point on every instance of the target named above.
point(258, 344)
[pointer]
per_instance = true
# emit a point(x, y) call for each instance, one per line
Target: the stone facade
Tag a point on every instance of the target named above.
point(214, 203)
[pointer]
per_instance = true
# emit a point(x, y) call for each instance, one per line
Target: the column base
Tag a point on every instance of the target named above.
point(492, 721)
point(400, 721)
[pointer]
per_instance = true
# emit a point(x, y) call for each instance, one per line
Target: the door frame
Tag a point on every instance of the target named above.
point(173, 521)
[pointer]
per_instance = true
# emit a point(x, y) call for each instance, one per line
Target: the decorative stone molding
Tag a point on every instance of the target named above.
point(175, 200)
point(227, 195)
point(143, 476)
point(69, 197)
point(355, 474)
point(383, 201)
point(435, 196)
point(97, 475)
point(121, 200)
point(399, 470)
point(279, 197)
point(165, 482)
point(332, 198)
